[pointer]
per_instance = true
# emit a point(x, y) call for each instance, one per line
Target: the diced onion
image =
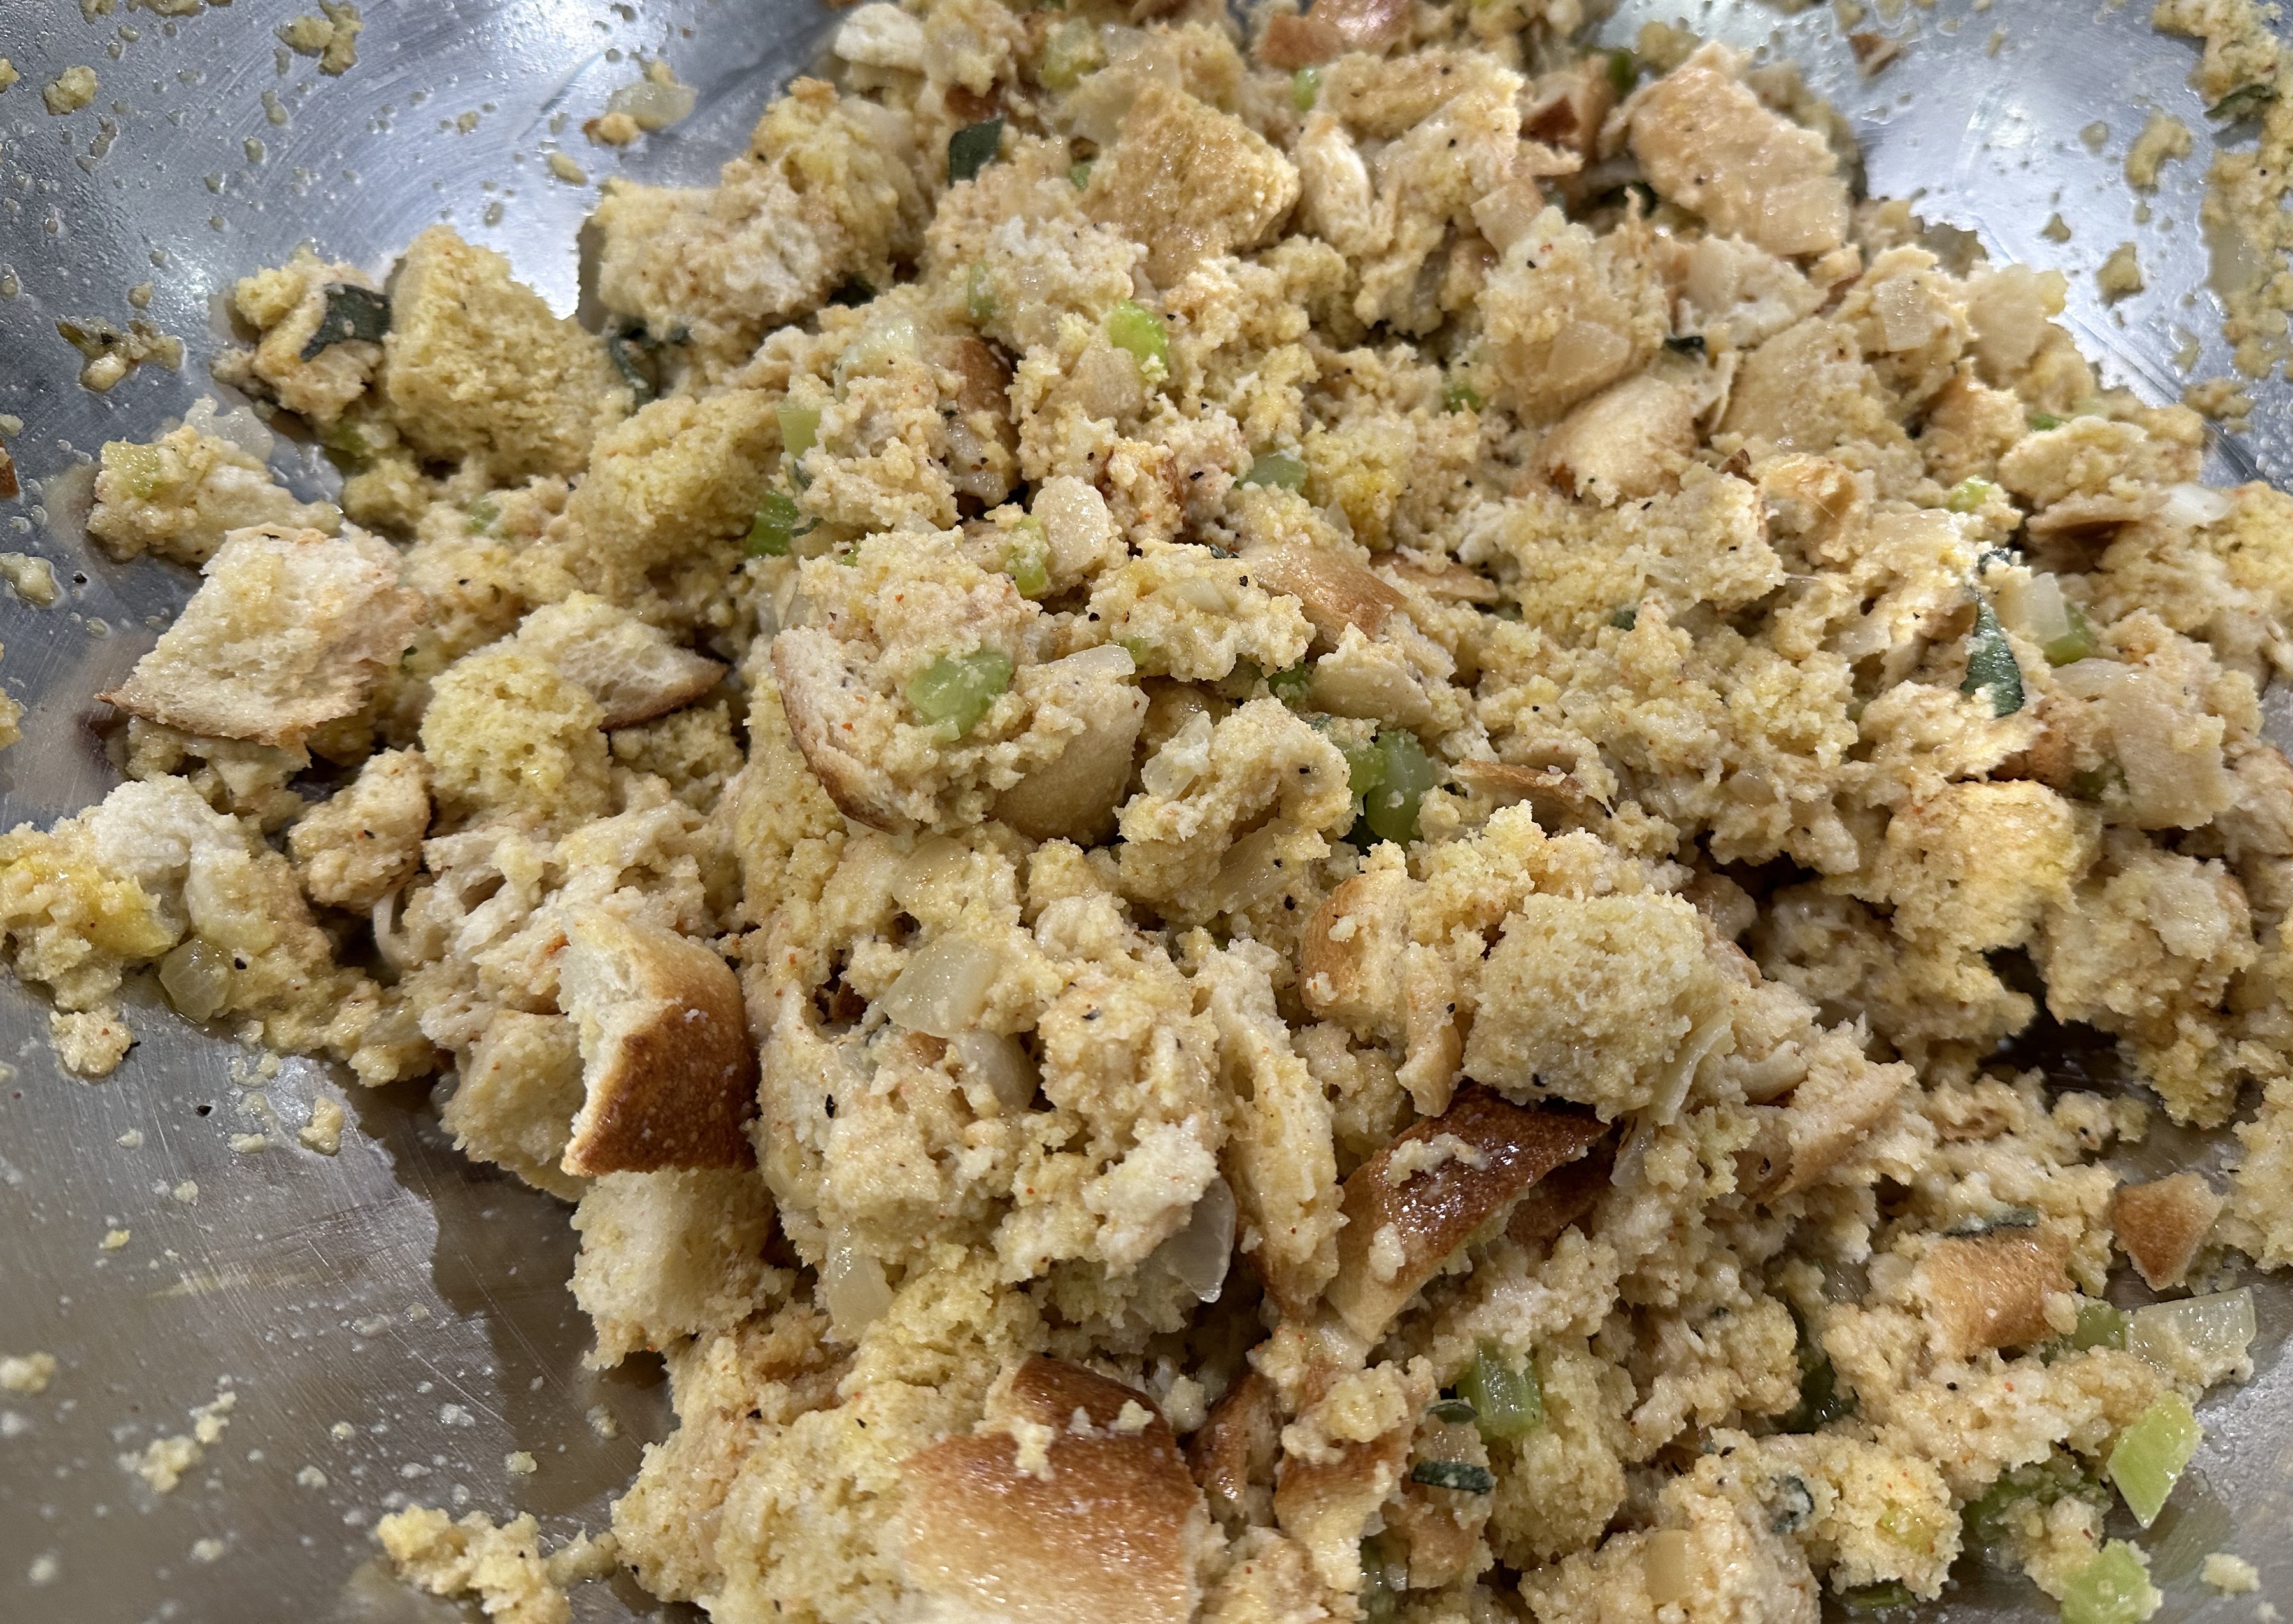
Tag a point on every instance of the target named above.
point(2190, 506)
point(853, 1286)
point(2090, 679)
point(654, 105)
point(2199, 1338)
point(197, 977)
point(1664, 1566)
point(1251, 870)
point(943, 986)
point(999, 1062)
point(1200, 1252)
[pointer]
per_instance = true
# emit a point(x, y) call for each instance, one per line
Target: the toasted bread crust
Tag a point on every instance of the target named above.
point(1110, 1532)
point(669, 1073)
point(2162, 1224)
point(1430, 1211)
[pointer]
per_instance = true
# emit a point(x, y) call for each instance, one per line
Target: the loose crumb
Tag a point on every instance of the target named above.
point(331, 37)
point(132, 1140)
point(187, 1192)
point(2120, 274)
point(32, 580)
point(72, 90)
point(209, 1549)
point(2162, 141)
point(566, 170)
point(2230, 1575)
point(521, 1462)
point(603, 1422)
point(45, 1566)
point(27, 1372)
point(8, 74)
point(323, 1133)
point(115, 1238)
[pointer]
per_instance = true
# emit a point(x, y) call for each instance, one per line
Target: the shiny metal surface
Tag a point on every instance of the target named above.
point(393, 1322)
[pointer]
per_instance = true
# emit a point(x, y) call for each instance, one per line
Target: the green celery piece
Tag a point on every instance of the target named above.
point(1130, 325)
point(1991, 665)
point(2079, 642)
point(1457, 395)
point(1285, 468)
point(779, 521)
point(1391, 809)
point(978, 295)
point(1028, 563)
point(956, 690)
point(972, 147)
point(1290, 686)
point(483, 514)
point(1305, 89)
point(1623, 72)
point(1968, 495)
point(2043, 420)
point(799, 430)
point(2113, 1588)
point(1070, 50)
point(2149, 1456)
point(1507, 1399)
point(1079, 173)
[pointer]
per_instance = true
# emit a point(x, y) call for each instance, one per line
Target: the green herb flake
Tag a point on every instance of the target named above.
point(956, 691)
point(2079, 642)
point(631, 352)
point(1623, 72)
point(1821, 1399)
point(1884, 1596)
point(2040, 422)
point(1452, 1410)
point(2243, 102)
point(1461, 1476)
point(1625, 618)
point(1990, 668)
point(352, 314)
point(972, 147)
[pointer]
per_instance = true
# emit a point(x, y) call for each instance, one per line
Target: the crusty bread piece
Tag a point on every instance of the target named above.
point(1989, 1290)
point(1334, 591)
point(2164, 1224)
point(668, 1074)
point(1558, 799)
point(1415, 1203)
point(288, 632)
point(633, 670)
point(1113, 1528)
point(1074, 794)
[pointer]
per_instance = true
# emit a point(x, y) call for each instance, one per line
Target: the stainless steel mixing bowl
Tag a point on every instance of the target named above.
point(395, 1322)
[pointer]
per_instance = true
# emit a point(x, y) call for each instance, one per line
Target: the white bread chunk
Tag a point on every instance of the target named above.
point(288, 631)
point(670, 1254)
point(520, 1088)
point(1112, 1527)
point(667, 1072)
point(633, 670)
point(358, 847)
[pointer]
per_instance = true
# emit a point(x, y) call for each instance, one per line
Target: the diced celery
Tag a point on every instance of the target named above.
point(1821, 1399)
point(1968, 495)
point(799, 430)
point(1990, 668)
point(2206, 1336)
point(978, 295)
point(1028, 562)
point(1884, 1596)
point(2078, 642)
point(1458, 395)
point(1507, 1399)
point(2149, 1456)
point(2041, 421)
point(483, 514)
point(956, 690)
point(1079, 173)
point(2113, 1588)
point(1290, 686)
point(1625, 618)
point(1070, 49)
point(1285, 468)
point(1305, 89)
point(143, 469)
point(1623, 72)
point(2099, 1325)
point(1391, 809)
point(972, 147)
point(779, 521)
point(1130, 325)
point(1461, 1476)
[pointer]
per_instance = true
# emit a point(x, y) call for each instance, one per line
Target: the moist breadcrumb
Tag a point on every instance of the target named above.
point(1263, 821)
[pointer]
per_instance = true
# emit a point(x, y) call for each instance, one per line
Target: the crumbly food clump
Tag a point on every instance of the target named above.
point(1249, 856)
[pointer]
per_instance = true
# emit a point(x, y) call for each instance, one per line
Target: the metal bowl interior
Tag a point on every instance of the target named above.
point(393, 1322)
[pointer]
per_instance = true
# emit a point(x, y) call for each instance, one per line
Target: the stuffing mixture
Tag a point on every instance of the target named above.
point(1269, 825)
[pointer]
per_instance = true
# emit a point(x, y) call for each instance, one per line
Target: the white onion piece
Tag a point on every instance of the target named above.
point(2090, 679)
point(2035, 608)
point(1250, 871)
point(1000, 1062)
point(654, 105)
point(853, 1287)
point(1199, 1253)
point(2197, 1339)
point(943, 986)
point(1664, 1568)
point(2190, 506)
point(239, 427)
